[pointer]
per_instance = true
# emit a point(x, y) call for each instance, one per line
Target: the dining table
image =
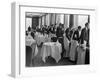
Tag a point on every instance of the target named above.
point(40, 38)
point(52, 49)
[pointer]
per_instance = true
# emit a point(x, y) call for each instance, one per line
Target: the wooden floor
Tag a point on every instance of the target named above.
point(37, 61)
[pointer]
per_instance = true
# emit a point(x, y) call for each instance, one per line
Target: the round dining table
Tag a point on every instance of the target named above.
point(40, 38)
point(52, 49)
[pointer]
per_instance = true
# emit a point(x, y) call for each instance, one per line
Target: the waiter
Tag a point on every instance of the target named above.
point(77, 34)
point(59, 34)
point(85, 40)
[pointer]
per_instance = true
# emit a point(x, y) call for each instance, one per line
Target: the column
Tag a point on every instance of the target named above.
point(88, 18)
point(57, 19)
point(40, 22)
point(53, 18)
point(75, 21)
point(66, 20)
point(48, 19)
point(44, 19)
point(71, 20)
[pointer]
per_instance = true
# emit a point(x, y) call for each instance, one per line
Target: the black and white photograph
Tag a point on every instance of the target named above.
point(53, 40)
point(56, 39)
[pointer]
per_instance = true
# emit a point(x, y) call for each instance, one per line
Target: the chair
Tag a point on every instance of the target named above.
point(32, 34)
point(54, 39)
point(28, 55)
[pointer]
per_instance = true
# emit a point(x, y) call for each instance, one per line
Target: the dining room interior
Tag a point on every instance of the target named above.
point(56, 39)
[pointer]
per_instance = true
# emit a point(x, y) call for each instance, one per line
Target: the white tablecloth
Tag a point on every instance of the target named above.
point(32, 43)
point(29, 42)
point(81, 55)
point(52, 35)
point(41, 38)
point(73, 50)
point(52, 49)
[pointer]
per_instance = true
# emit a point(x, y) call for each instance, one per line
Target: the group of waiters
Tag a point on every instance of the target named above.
point(78, 34)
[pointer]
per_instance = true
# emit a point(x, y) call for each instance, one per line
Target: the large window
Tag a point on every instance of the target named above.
point(28, 22)
point(82, 19)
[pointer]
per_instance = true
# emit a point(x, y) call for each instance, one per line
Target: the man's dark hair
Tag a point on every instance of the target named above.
point(60, 24)
point(26, 33)
point(29, 28)
point(86, 24)
point(79, 27)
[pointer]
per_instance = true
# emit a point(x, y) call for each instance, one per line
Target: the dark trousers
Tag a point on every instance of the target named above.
point(87, 56)
point(62, 43)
